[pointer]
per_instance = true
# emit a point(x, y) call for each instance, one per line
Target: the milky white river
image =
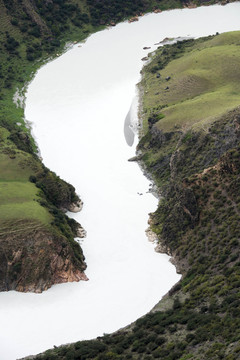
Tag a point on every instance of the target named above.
point(78, 104)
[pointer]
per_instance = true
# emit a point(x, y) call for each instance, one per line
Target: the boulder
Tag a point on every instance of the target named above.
point(75, 206)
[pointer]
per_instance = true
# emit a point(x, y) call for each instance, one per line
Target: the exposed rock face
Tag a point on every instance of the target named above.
point(81, 232)
point(158, 136)
point(33, 259)
point(152, 237)
point(162, 249)
point(75, 206)
point(180, 211)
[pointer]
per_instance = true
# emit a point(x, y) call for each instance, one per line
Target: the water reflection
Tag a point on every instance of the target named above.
point(131, 122)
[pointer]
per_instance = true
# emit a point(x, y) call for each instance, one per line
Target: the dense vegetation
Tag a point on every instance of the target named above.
point(197, 170)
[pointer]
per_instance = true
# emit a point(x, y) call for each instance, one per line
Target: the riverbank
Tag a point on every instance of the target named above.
point(164, 148)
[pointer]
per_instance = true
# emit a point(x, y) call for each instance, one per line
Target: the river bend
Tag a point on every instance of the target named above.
point(77, 105)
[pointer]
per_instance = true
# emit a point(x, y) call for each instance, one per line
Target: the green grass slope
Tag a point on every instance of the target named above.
point(204, 83)
point(18, 195)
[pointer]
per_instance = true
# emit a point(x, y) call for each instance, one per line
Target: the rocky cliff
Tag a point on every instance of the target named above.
point(33, 259)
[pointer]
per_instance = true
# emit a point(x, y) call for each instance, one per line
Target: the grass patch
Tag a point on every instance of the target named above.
point(204, 82)
point(17, 192)
point(24, 210)
point(199, 112)
point(18, 168)
point(19, 201)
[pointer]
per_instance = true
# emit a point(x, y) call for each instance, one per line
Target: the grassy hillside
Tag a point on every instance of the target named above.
point(195, 161)
point(203, 84)
point(186, 106)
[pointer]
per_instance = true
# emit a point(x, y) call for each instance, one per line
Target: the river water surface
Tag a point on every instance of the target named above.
point(77, 105)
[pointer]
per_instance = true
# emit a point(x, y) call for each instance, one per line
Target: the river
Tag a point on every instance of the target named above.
point(77, 105)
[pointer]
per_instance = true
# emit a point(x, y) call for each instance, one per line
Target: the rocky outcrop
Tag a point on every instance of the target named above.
point(81, 232)
point(32, 258)
point(75, 206)
point(134, 18)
